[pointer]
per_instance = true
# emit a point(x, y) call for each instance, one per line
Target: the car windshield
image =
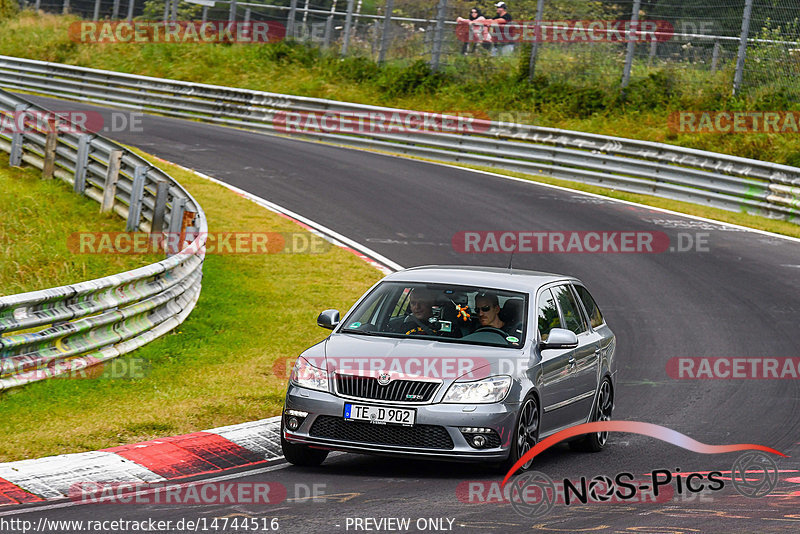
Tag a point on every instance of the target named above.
point(453, 313)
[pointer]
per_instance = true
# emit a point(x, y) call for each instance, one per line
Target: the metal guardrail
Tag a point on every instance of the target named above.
point(701, 177)
point(65, 329)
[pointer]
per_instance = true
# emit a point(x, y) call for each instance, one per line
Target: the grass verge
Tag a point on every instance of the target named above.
point(255, 312)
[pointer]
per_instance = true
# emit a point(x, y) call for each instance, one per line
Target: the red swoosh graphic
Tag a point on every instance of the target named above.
point(634, 427)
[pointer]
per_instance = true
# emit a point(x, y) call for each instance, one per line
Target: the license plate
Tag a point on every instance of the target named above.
point(379, 415)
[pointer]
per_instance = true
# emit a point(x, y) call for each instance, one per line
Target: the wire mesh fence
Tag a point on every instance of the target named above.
point(747, 45)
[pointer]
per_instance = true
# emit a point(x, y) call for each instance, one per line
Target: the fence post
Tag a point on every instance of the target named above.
point(175, 220)
point(232, 12)
point(137, 192)
point(131, 6)
point(290, 19)
point(50, 144)
point(17, 137)
point(348, 24)
point(653, 49)
point(329, 26)
point(715, 56)
point(96, 14)
point(357, 17)
point(737, 78)
point(305, 13)
point(205, 13)
point(112, 175)
point(537, 33)
point(247, 15)
point(387, 30)
point(174, 15)
point(115, 10)
point(65, 9)
point(37, 4)
point(437, 35)
point(626, 74)
point(81, 161)
point(166, 10)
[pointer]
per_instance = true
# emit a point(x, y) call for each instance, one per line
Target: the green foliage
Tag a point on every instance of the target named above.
point(417, 78)
point(8, 8)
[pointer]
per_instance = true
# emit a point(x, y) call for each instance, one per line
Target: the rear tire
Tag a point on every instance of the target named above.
point(526, 434)
point(300, 454)
point(596, 441)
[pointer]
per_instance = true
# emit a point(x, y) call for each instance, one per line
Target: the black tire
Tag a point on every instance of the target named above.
point(596, 441)
point(300, 454)
point(526, 433)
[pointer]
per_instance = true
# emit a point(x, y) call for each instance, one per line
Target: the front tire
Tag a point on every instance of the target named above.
point(526, 434)
point(300, 454)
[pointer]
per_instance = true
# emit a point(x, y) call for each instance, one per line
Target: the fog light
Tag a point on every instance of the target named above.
point(479, 441)
point(292, 423)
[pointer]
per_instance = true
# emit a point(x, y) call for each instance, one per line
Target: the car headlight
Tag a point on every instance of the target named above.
point(492, 389)
point(307, 376)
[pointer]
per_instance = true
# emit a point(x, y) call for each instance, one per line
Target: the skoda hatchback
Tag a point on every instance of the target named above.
point(453, 363)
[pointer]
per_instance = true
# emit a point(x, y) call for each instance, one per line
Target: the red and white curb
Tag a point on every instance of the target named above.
point(158, 460)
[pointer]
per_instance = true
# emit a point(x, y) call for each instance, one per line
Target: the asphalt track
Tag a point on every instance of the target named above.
point(740, 297)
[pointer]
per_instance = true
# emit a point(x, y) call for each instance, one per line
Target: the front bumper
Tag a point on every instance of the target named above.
point(428, 438)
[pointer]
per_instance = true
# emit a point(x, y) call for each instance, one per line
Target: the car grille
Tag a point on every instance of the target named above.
point(366, 387)
point(422, 436)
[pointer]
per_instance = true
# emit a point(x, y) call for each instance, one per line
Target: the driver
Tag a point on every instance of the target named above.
point(420, 302)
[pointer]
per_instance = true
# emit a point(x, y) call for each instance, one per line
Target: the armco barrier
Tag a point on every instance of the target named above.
point(72, 327)
point(700, 177)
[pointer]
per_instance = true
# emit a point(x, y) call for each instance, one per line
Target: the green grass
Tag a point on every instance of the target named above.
point(255, 313)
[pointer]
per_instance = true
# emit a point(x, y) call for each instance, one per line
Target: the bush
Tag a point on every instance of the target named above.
point(8, 8)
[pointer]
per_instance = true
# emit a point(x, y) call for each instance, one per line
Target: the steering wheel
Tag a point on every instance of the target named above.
point(493, 330)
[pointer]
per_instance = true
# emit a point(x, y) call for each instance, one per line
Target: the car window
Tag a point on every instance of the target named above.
point(547, 314)
point(595, 317)
point(573, 320)
point(441, 311)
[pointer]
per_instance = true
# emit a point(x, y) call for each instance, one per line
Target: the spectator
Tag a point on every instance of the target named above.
point(501, 45)
point(477, 32)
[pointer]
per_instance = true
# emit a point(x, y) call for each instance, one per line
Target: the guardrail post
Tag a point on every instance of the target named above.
point(112, 175)
point(159, 208)
point(81, 161)
point(739, 75)
point(137, 192)
point(329, 27)
point(17, 137)
point(348, 24)
point(387, 30)
point(50, 143)
point(537, 38)
point(186, 222)
point(175, 220)
point(96, 14)
point(131, 6)
point(626, 74)
point(437, 35)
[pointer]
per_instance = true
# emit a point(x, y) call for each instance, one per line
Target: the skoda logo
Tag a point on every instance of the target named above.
point(384, 379)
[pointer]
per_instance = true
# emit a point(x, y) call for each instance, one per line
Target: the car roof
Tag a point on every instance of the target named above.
point(492, 277)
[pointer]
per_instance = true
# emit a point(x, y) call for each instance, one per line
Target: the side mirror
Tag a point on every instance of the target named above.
point(560, 338)
point(330, 318)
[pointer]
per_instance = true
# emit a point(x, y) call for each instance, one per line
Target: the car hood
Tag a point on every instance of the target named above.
point(409, 358)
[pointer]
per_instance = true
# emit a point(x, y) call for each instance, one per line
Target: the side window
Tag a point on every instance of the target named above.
point(595, 317)
point(547, 314)
point(573, 320)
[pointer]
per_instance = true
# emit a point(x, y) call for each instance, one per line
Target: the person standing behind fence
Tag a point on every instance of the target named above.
point(478, 31)
point(501, 45)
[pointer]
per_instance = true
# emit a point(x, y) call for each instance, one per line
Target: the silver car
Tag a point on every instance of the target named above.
point(453, 363)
